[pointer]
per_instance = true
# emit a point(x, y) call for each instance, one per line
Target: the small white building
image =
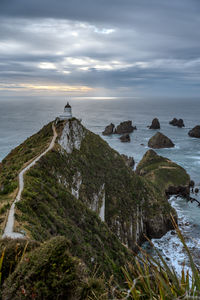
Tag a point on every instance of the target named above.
point(67, 114)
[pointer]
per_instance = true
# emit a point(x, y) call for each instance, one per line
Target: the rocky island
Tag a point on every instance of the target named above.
point(195, 132)
point(155, 124)
point(175, 122)
point(160, 140)
point(83, 207)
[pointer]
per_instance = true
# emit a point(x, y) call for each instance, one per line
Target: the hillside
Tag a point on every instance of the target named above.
point(169, 177)
point(83, 190)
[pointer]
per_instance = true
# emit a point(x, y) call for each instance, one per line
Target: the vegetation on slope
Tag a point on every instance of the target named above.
point(133, 205)
point(51, 272)
point(14, 162)
point(48, 208)
point(162, 172)
point(62, 267)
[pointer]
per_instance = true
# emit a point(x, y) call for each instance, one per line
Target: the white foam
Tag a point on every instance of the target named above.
point(171, 246)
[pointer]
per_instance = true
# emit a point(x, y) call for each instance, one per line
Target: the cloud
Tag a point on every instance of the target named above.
point(114, 45)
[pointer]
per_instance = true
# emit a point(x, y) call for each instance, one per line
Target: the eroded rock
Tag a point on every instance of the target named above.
point(176, 122)
point(129, 161)
point(125, 138)
point(195, 132)
point(155, 124)
point(72, 135)
point(109, 129)
point(160, 140)
point(125, 127)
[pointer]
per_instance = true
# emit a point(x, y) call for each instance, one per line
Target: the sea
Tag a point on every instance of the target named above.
point(21, 117)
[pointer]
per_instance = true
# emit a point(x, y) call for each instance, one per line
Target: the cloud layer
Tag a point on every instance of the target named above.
point(130, 47)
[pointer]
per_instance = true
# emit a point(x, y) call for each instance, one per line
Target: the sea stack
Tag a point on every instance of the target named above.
point(109, 129)
point(155, 124)
point(160, 140)
point(125, 138)
point(175, 122)
point(125, 127)
point(195, 132)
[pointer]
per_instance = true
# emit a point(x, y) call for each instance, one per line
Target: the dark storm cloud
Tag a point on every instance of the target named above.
point(115, 44)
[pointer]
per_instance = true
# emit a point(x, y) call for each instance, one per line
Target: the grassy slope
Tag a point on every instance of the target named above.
point(48, 208)
point(161, 171)
point(51, 272)
point(13, 163)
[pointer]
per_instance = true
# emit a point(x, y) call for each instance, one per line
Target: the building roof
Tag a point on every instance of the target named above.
point(67, 105)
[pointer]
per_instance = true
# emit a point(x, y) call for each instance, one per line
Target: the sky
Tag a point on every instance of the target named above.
point(130, 48)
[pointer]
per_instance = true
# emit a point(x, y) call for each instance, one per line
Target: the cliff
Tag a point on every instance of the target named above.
point(83, 190)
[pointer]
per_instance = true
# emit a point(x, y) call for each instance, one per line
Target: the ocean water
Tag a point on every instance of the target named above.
point(20, 118)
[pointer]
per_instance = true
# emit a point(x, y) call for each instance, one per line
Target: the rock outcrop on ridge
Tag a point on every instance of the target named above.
point(195, 132)
point(129, 161)
point(155, 124)
point(175, 122)
point(160, 140)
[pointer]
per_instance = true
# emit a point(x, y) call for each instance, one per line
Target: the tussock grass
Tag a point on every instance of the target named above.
point(151, 278)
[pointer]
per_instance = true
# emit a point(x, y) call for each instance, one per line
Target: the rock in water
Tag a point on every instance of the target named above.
point(195, 132)
point(176, 122)
point(155, 124)
point(129, 161)
point(160, 140)
point(192, 183)
point(109, 129)
point(125, 138)
point(125, 127)
point(180, 123)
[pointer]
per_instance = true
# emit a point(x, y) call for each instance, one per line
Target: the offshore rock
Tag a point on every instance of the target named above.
point(125, 127)
point(109, 129)
point(175, 122)
point(125, 138)
point(155, 124)
point(192, 183)
point(129, 161)
point(160, 140)
point(195, 132)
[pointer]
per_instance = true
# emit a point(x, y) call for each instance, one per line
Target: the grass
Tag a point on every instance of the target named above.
point(14, 162)
point(49, 271)
point(153, 279)
point(162, 172)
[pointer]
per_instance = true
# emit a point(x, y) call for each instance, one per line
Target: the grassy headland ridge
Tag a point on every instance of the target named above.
point(82, 190)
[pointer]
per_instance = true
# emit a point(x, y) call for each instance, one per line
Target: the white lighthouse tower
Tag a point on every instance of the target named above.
point(67, 114)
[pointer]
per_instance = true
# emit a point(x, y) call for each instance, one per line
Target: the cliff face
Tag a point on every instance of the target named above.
point(82, 189)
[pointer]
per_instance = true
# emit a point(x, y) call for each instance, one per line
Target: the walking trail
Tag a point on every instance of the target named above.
point(8, 231)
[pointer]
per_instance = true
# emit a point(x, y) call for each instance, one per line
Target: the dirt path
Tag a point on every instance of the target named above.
point(8, 231)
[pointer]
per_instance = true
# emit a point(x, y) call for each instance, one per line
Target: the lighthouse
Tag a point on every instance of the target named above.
point(67, 114)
